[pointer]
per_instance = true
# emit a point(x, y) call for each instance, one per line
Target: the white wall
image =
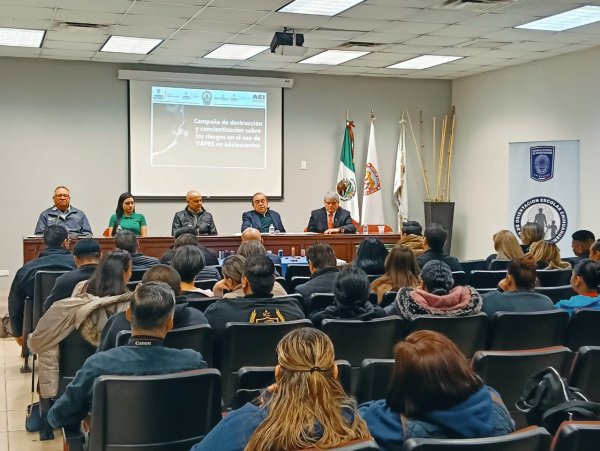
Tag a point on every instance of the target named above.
point(554, 99)
point(66, 123)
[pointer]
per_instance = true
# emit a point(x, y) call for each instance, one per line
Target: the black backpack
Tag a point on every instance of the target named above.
point(547, 401)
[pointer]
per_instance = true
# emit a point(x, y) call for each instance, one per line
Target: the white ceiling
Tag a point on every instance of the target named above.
point(402, 29)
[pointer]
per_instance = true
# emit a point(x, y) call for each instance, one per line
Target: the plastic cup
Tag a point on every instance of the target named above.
point(381, 229)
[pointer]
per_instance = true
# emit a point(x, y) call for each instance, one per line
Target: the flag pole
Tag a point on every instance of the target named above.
point(423, 171)
point(441, 160)
point(402, 121)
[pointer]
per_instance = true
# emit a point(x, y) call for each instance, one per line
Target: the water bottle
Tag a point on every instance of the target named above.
point(365, 229)
point(280, 252)
point(271, 229)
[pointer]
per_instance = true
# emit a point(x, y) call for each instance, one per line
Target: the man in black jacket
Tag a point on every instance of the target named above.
point(86, 254)
point(194, 217)
point(126, 240)
point(435, 239)
point(323, 271)
point(55, 258)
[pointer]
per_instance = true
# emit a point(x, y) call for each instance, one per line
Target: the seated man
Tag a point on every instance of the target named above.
point(516, 291)
point(188, 261)
point(258, 305)
point(323, 271)
point(581, 241)
point(435, 239)
point(250, 248)
point(56, 257)
point(210, 257)
point(331, 218)
point(126, 240)
point(252, 234)
point(86, 254)
point(183, 316)
point(412, 236)
point(151, 316)
point(64, 214)
point(262, 216)
point(194, 217)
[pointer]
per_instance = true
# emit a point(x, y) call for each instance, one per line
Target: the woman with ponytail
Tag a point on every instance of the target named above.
point(351, 298)
point(125, 217)
point(305, 408)
point(585, 281)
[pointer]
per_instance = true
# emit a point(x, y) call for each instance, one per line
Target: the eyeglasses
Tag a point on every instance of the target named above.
point(62, 195)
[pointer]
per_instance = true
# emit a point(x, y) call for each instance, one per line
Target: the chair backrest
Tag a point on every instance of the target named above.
point(469, 333)
point(486, 279)
point(201, 303)
point(205, 284)
point(485, 290)
point(459, 277)
point(137, 274)
point(373, 277)
point(557, 293)
point(584, 329)
point(166, 412)
point(374, 379)
point(295, 281)
point(554, 277)
point(73, 352)
point(319, 302)
point(44, 282)
point(281, 280)
point(355, 340)
point(293, 270)
point(528, 330)
point(499, 265)
point(388, 298)
point(198, 337)
point(577, 436)
point(132, 284)
point(473, 265)
point(531, 439)
point(374, 228)
point(219, 268)
point(586, 369)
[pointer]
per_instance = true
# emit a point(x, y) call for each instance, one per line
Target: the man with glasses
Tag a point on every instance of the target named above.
point(262, 217)
point(62, 213)
point(331, 218)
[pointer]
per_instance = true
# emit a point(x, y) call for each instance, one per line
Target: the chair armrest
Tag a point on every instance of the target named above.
point(73, 438)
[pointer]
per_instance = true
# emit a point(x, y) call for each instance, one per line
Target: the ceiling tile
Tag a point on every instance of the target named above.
point(111, 6)
point(74, 36)
point(142, 32)
point(441, 16)
point(152, 21)
point(154, 9)
point(205, 25)
point(50, 44)
point(262, 5)
point(441, 41)
point(26, 12)
point(299, 21)
point(347, 23)
point(410, 27)
point(464, 31)
point(96, 17)
point(70, 53)
point(494, 20)
point(243, 16)
point(380, 12)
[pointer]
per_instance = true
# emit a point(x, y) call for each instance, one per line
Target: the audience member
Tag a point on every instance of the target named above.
point(412, 236)
point(126, 218)
point(331, 218)
point(183, 315)
point(435, 239)
point(151, 316)
point(126, 240)
point(323, 271)
point(210, 256)
point(434, 393)
point(56, 257)
point(230, 286)
point(261, 217)
point(86, 255)
point(252, 234)
point(351, 298)
point(305, 408)
point(110, 276)
point(547, 255)
point(585, 281)
point(581, 241)
point(370, 256)
point(531, 233)
point(401, 270)
point(507, 248)
point(516, 291)
point(62, 213)
point(193, 218)
point(188, 261)
point(250, 248)
point(435, 296)
point(595, 251)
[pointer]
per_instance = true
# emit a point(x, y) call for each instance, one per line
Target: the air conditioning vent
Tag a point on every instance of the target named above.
point(357, 45)
point(83, 27)
point(476, 5)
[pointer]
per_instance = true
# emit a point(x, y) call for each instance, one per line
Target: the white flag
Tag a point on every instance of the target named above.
point(372, 203)
point(400, 188)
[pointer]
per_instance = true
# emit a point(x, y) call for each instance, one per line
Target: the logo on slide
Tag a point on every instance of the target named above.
point(346, 188)
point(541, 163)
point(547, 213)
point(206, 97)
point(372, 184)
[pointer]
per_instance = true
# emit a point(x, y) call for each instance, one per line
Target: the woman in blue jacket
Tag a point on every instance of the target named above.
point(434, 393)
point(585, 281)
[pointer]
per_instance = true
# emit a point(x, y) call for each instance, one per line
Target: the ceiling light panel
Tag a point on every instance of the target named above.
point(236, 51)
point(424, 62)
point(319, 7)
point(333, 57)
point(126, 44)
point(567, 20)
point(21, 37)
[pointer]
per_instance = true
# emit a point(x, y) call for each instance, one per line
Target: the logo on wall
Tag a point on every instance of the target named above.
point(346, 188)
point(541, 163)
point(547, 213)
point(372, 184)
point(206, 97)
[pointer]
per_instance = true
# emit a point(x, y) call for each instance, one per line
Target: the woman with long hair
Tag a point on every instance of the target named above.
point(370, 256)
point(126, 218)
point(434, 393)
point(401, 270)
point(547, 255)
point(110, 277)
point(305, 408)
point(230, 286)
point(531, 232)
point(585, 281)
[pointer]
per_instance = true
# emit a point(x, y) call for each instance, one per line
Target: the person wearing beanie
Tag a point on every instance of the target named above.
point(435, 296)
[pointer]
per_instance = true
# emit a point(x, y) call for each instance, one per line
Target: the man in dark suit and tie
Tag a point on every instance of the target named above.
point(262, 216)
point(331, 218)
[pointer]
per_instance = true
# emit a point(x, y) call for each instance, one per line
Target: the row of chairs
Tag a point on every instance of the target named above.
point(490, 279)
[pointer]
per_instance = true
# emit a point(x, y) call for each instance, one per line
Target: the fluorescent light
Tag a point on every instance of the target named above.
point(319, 7)
point(424, 61)
point(567, 20)
point(21, 37)
point(334, 57)
point(236, 51)
point(126, 44)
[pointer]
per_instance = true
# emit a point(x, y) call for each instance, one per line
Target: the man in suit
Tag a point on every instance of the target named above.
point(262, 216)
point(331, 218)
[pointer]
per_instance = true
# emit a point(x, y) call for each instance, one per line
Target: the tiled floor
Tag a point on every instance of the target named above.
point(15, 395)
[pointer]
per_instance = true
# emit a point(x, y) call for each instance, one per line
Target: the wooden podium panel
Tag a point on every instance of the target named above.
point(344, 245)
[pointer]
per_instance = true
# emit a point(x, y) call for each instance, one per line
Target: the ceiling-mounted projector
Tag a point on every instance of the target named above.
point(288, 42)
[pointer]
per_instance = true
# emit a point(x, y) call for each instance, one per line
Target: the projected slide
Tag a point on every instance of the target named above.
point(208, 128)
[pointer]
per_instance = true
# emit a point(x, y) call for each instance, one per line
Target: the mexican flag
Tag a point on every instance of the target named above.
point(346, 179)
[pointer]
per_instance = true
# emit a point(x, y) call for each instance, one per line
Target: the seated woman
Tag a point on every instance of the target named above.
point(351, 298)
point(412, 236)
point(595, 251)
point(231, 284)
point(547, 255)
point(507, 248)
point(435, 296)
point(305, 408)
point(434, 393)
point(370, 256)
point(249, 248)
point(585, 281)
point(401, 270)
point(531, 232)
point(126, 218)
point(110, 276)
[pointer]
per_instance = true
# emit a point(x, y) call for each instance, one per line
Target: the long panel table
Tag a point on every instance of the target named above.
point(344, 245)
